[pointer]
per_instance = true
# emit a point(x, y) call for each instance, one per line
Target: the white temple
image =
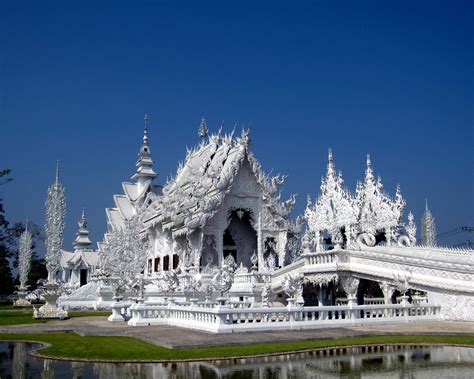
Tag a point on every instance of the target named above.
point(77, 266)
point(215, 247)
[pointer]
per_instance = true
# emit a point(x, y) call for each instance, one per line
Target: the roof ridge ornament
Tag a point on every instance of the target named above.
point(245, 136)
point(145, 129)
point(56, 182)
point(203, 131)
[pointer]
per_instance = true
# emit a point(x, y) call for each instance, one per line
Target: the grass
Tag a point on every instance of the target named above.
point(17, 316)
point(73, 346)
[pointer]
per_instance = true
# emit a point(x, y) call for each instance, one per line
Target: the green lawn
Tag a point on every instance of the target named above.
point(17, 316)
point(71, 345)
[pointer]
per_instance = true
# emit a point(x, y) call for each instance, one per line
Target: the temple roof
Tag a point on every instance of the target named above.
point(201, 183)
point(187, 201)
point(90, 258)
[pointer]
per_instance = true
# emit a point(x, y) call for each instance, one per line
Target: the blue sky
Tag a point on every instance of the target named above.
point(393, 79)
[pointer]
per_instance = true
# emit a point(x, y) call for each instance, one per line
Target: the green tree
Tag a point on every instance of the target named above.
point(6, 279)
point(9, 237)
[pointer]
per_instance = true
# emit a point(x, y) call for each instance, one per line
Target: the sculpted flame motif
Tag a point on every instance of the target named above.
point(124, 255)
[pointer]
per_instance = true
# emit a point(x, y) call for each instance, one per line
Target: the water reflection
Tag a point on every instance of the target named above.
point(362, 362)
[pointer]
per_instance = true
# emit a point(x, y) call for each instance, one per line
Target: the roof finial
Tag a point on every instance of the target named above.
point(57, 172)
point(426, 204)
point(245, 136)
point(331, 168)
point(145, 163)
point(145, 129)
point(369, 163)
point(82, 240)
point(203, 131)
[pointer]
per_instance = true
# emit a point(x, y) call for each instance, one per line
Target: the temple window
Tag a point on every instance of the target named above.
point(175, 261)
point(157, 264)
point(166, 263)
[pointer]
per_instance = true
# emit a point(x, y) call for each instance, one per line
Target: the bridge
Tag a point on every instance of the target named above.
point(446, 274)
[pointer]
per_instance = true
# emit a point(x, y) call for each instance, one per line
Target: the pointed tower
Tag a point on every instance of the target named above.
point(54, 226)
point(82, 241)
point(144, 172)
point(428, 228)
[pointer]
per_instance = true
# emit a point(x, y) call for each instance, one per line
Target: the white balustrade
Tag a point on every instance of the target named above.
point(225, 319)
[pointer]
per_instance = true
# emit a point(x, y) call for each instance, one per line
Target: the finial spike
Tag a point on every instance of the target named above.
point(426, 204)
point(369, 162)
point(145, 129)
point(330, 155)
point(203, 131)
point(57, 171)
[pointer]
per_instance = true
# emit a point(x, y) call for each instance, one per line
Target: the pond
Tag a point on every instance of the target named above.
point(360, 362)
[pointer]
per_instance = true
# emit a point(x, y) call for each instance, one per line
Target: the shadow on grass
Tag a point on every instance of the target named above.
point(25, 316)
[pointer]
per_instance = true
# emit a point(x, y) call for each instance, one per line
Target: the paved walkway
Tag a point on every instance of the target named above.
point(174, 337)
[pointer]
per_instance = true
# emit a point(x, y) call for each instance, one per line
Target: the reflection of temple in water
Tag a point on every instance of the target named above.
point(370, 361)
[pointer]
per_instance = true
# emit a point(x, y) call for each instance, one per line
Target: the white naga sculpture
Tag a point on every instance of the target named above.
point(54, 226)
point(222, 282)
point(293, 287)
point(24, 265)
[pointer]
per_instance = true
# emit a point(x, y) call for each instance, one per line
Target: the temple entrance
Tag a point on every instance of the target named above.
point(83, 277)
point(240, 239)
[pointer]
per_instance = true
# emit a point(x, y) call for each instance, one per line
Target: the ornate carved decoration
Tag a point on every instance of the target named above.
point(124, 255)
point(293, 285)
point(349, 284)
point(54, 226)
point(24, 257)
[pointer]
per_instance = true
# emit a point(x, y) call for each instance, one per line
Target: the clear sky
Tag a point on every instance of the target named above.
point(392, 78)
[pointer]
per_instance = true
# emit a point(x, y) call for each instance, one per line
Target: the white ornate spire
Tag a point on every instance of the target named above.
point(54, 226)
point(144, 164)
point(203, 131)
point(57, 172)
point(428, 227)
point(24, 256)
point(334, 207)
point(411, 228)
point(331, 168)
point(377, 211)
point(82, 240)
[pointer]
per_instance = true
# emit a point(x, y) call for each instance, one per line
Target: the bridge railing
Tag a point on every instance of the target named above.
point(228, 320)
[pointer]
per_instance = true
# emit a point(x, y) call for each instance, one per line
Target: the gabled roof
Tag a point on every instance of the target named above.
point(206, 177)
point(90, 258)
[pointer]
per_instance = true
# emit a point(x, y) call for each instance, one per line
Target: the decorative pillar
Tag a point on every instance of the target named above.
point(350, 285)
point(388, 291)
point(54, 226)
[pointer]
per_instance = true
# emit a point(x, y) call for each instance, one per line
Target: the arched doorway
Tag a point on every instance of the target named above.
point(240, 238)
